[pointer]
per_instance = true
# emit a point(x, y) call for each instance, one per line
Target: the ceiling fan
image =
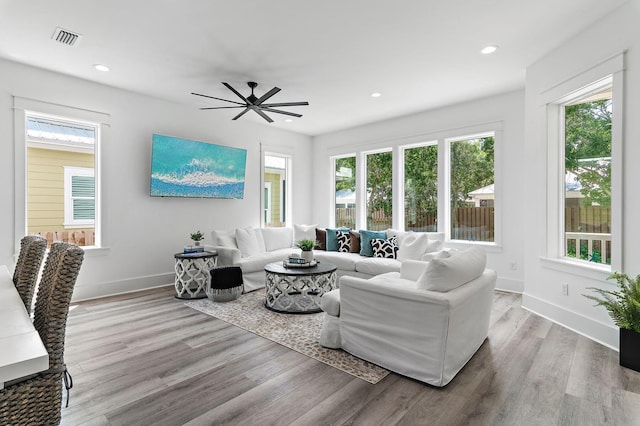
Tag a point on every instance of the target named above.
point(252, 102)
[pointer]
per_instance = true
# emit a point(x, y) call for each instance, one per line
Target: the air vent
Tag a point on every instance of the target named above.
point(66, 37)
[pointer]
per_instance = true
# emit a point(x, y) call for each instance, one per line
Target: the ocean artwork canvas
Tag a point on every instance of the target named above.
point(185, 168)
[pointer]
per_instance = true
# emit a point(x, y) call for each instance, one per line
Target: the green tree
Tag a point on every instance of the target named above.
point(379, 185)
point(421, 181)
point(471, 168)
point(343, 181)
point(588, 149)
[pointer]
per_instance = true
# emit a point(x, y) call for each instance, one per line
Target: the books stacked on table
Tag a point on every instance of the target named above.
point(298, 262)
point(193, 249)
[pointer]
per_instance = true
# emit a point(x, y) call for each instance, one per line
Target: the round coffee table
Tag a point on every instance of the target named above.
point(298, 290)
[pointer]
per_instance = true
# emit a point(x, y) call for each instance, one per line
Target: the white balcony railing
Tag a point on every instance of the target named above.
point(574, 240)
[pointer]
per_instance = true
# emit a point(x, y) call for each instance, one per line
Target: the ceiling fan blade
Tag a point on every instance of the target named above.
point(241, 114)
point(239, 106)
point(220, 99)
point(267, 95)
point(236, 92)
point(281, 104)
point(281, 112)
point(263, 115)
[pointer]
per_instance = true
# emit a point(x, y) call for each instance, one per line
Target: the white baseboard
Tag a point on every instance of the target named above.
point(510, 285)
point(601, 333)
point(94, 291)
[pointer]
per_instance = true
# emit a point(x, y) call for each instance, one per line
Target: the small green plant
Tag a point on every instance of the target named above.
point(623, 304)
point(307, 245)
point(197, 236)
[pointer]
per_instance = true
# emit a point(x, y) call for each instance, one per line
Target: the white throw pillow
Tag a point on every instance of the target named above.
point(224, 238)
point(277, 238)
point(413, 246)
point(400, 235)
point(449, 273)
point(412, 269)
point(260, 240)
point(304, 232)
point(434, 245)
point(247, 242)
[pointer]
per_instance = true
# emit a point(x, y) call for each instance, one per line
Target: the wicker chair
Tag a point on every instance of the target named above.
point(37, 399)
point(25, 275)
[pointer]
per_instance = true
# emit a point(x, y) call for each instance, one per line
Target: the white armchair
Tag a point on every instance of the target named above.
point(424, 334)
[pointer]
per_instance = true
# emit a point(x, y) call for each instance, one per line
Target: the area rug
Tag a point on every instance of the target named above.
point(295, 331)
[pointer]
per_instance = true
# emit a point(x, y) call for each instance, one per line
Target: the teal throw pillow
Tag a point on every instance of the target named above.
point(365, 241)
point(332, 238)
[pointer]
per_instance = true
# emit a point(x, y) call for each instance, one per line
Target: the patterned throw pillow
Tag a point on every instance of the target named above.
point(344, 241)
point(385, 248)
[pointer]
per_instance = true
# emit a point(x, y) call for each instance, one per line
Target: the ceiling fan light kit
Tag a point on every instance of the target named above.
point(254, 103)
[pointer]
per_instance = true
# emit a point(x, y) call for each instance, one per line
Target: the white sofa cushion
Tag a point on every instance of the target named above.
point(442, 254)
point(412, 269)
point(446, 274)
point(413, 246)
point(377, 265)
point(260, 240)
point(277, 238)
point(304, 232)
point(224, 238)
point(257, 262)
point(344, 261)
point(247, 241)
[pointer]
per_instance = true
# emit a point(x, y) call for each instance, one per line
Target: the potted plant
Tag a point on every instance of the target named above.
point(623, 305)
point(197, 237)
point(307, 247)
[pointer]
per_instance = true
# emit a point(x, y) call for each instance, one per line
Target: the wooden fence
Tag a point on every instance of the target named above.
point(591, 219)
point(84, 237)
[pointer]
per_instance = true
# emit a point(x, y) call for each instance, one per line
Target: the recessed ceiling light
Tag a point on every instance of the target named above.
point(288, 120)
point(102, 68)
point(489, 49)
point(376, 94)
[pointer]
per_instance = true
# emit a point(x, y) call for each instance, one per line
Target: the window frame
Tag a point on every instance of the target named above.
point(332, 215)
point(440, 138)
point(24, 107)
point(609, 72)
point(446, 196)
point(286, 205)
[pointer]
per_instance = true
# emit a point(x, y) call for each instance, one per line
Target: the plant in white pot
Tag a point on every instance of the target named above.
point(197, 237)
point(623, 305)
point(307, 247)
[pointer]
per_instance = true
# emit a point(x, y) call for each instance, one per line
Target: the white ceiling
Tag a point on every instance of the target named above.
point(420, 54)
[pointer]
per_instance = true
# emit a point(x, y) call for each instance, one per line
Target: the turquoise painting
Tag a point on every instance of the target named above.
point(184, 168)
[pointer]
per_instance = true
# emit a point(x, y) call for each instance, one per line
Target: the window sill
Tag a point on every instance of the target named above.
point(588, 270)
point(463, 244)
point(92, 251)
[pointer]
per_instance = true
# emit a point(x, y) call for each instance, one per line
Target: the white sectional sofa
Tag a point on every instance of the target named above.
point(252, 248)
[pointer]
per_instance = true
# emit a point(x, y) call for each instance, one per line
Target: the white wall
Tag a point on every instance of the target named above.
point(506, 109)
point(609, 36)
point(143, 233)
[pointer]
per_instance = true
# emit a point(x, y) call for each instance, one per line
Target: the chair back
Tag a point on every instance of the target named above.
point(25, 274)
point(54, 297)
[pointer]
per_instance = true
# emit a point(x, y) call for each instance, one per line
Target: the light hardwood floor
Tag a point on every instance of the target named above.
point(146, 359)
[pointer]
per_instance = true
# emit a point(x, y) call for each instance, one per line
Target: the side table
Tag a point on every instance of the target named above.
point(192, 272)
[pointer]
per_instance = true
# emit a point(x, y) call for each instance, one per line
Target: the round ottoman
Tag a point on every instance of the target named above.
point(224, 284)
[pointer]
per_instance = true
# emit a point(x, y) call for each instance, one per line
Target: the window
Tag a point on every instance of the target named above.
point(587, 176)
point(421, 188)
point(345, 192)
point(471, 188)
point(79, 197)
point(379, 181)
point(276, 170)
point(60, 178)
